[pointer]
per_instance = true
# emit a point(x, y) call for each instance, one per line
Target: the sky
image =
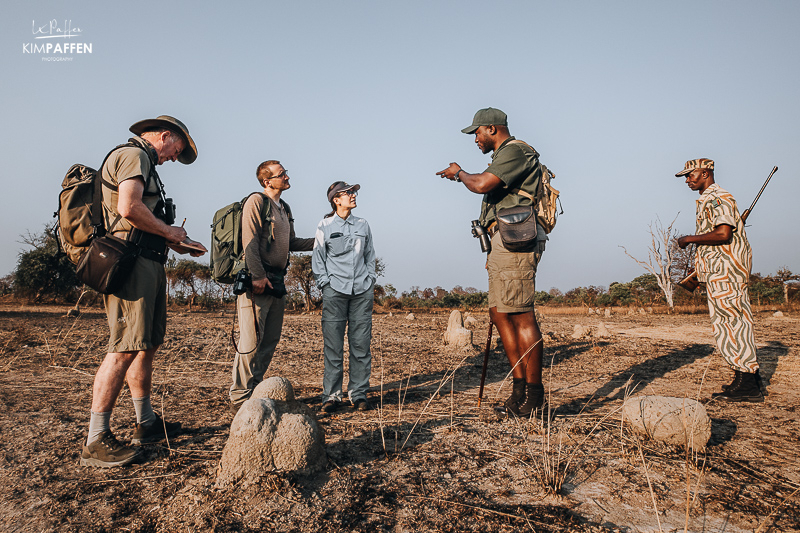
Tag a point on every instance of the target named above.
point(615, 96)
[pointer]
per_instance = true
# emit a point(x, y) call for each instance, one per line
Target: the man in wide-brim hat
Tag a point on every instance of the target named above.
point(136, 209)
point(173, 125)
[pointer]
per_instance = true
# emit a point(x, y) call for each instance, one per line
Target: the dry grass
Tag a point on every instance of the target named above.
point(451, 465)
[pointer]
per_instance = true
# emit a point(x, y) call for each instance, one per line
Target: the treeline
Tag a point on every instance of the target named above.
point(44, 275)
point(417, 298)
point(644, 291)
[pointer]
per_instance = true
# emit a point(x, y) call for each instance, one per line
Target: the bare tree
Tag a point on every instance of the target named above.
point(660, 256)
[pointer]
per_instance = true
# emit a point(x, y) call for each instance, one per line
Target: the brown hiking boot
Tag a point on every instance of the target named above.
point(330, 406)
point(107, 451)
point(235, 407)
point(154, 431)
point(362, 405)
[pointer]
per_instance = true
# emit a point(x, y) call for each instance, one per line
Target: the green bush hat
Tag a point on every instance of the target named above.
point(189, 154)
point(694, 164)
point(486, 117)
point(341, 186)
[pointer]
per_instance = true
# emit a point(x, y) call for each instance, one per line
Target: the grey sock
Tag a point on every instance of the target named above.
point(144, 410)
point(98, 423)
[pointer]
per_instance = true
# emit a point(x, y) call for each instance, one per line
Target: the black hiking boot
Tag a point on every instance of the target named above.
point(737, 378)
point(513, 401)
point(154, 431)
point(107, 451)
point(534, 401)
point(748, 389)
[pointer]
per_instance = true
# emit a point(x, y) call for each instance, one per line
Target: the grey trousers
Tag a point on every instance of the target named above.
point(251, 361)
point(354, 313)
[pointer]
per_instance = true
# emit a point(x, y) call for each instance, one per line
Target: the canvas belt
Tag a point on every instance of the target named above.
point(275, 270)
point(153, 255)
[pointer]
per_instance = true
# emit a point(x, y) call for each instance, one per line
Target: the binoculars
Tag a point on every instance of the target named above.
point(242, 282)
point(479, 232)
point(166, 211)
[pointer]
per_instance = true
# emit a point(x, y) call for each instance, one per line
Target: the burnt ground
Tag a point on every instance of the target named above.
point(428, 459)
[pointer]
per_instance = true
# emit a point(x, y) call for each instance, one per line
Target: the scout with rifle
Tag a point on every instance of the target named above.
point(723, 262)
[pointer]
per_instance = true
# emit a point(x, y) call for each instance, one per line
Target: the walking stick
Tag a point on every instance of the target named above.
point(485, 361)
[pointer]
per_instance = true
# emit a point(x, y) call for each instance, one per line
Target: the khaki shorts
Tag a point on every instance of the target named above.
point(137, 313)
point(512, 277)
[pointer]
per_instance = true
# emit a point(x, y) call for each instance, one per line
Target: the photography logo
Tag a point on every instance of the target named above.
point(56, 40)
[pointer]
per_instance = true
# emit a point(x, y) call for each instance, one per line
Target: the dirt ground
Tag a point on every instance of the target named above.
point(428, 458)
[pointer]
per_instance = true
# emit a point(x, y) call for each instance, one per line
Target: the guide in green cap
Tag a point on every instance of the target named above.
point(486, 117)
point(509, 183)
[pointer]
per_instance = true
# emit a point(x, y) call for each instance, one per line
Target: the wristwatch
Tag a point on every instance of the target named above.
point(457, 173)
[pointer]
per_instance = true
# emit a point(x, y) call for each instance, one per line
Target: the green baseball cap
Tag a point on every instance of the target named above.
point(486, 117)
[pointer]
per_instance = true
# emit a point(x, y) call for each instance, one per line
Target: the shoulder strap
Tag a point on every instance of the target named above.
point(97, 198)
point(525, 194)
point(266, 206)
point(520, 192)
point(97, 221)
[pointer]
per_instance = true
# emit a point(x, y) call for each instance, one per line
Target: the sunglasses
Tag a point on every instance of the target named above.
point(349, 193)
point(281, 175)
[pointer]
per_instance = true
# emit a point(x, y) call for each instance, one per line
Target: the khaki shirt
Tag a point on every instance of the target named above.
point(724, 262)
point(517, 166)
point(124, 164)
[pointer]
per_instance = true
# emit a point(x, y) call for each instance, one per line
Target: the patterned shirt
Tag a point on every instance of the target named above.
point(729, 262)
point(343, 255)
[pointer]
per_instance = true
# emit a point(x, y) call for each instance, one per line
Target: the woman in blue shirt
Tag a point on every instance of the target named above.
point(343, 262)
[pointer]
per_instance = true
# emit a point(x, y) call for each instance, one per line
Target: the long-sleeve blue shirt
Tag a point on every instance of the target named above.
point(343, 255)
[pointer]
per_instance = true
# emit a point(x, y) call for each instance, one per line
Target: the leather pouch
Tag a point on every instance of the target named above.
point(107, 264)
point(517, 227)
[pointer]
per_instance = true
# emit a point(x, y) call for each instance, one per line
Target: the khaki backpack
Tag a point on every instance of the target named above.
point(80, 211)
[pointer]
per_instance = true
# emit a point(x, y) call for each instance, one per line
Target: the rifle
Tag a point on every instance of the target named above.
point(485, 361)
point(690, 282)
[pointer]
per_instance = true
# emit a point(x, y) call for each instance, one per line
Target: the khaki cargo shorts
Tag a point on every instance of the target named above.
point(512, 277)
point(137, 313)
